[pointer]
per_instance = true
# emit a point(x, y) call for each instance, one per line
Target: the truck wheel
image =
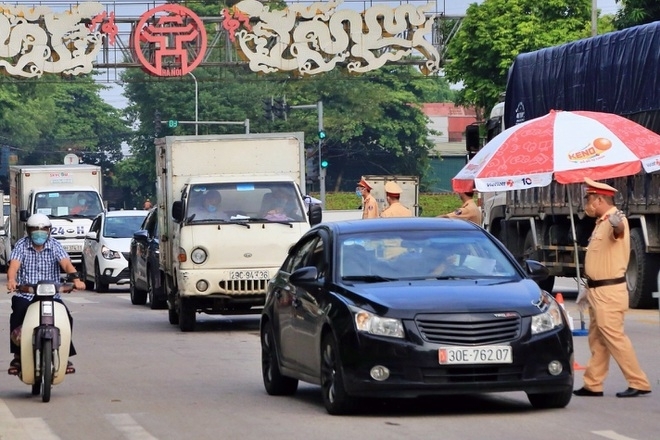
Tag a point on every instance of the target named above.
point(530, 253)
point(187, 312)
point(173, 316)
point(642, 272)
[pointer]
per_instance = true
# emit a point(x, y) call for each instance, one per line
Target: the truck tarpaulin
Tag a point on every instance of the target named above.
point(615, 72)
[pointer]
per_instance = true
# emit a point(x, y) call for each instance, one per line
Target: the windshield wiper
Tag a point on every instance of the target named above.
point(265, 220)
point(367, 278)
point(65, 217)
point(217, 220)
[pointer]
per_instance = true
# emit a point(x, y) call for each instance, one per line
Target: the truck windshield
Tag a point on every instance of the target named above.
point(244, 201)
point(68, 203)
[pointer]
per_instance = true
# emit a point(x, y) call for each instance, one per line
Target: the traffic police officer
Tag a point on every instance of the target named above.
point(395, 208)
point(606, 294)
point(369, 204)
point(469, 211)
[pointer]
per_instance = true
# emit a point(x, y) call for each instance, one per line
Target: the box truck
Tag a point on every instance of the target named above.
point(70, 195)
point(219, 260)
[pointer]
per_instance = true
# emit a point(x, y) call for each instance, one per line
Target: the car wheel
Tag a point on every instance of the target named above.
point(155, 299)
point(550, 400)
point(275, 383)
point(335, 399)
point(138, 297)
point(187, 312)
point(101, 287)
point(89, 285)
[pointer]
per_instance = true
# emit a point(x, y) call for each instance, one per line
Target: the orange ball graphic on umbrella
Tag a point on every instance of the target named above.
point(602, 144)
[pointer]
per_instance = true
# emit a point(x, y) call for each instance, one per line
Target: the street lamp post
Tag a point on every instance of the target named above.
point(196, 104)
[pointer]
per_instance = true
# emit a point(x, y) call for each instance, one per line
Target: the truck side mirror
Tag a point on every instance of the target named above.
point(177, 211)
point(315, 214)
point(24, 215)
point(472, 140)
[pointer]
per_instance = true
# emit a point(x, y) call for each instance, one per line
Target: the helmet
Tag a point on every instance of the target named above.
point(38, 221)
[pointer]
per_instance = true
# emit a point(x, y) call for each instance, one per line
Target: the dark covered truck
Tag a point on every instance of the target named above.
point(616, 73)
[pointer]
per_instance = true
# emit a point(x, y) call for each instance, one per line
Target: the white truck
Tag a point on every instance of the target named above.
point(5, 243)
point(70, 195)
point(220, 262)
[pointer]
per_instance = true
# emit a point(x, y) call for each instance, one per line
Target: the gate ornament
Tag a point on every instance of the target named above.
point(35, 40)
point(315, 38)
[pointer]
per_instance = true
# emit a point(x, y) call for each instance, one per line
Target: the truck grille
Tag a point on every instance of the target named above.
point(468, 329)
point(243, 287)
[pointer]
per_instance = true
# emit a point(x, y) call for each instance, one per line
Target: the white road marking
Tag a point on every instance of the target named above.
point(10, 428)
point(129, 427)
point(612, 435)
point(38, 429)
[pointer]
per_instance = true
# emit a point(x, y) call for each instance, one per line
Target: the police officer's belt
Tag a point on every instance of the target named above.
point(601, 283)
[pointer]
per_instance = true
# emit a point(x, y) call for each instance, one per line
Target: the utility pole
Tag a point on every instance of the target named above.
point(322, 169)
point(196, 103)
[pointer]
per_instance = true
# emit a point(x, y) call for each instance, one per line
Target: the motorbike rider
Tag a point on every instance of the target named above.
point(35, 258)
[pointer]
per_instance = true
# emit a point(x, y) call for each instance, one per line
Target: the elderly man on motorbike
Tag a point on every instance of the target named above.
point(35, 258)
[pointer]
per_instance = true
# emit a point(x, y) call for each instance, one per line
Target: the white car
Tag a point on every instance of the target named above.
point(107, 247)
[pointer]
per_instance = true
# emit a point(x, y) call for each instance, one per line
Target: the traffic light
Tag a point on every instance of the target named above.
point(472, 140)
point(268, 109)
point(281, 108)
point(157, 122)
point(322, 134)
point(324, 164)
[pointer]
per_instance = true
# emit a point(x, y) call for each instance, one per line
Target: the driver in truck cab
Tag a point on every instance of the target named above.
point(36, 257)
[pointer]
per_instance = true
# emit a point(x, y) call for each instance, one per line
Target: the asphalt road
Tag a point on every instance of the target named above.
point(139, 378)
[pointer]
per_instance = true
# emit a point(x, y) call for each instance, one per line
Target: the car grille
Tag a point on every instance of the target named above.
point(472, 374)
point(468, 329)
point(243, 287)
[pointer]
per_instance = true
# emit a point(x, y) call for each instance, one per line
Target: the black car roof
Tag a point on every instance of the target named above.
point(397, 224)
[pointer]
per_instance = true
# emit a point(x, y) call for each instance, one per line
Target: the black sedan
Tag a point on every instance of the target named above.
point(412, 307)
point(143, 264)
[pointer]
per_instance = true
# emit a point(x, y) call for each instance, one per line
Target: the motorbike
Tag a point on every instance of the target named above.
point(44, 355)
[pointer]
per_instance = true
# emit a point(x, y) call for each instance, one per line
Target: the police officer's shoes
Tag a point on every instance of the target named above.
point(585, 392)
point(632, 392)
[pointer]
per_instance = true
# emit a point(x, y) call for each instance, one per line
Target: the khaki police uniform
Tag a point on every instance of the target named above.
point(369, 204)
point(605, 266)
point(469, 211)
point(395, 208)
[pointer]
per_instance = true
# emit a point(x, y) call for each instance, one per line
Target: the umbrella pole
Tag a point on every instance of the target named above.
point(583, 331)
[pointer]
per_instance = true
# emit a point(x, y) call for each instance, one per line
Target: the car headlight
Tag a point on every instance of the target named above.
point(377, 325)
point(198, 255)
point(109, 254)
point(548, 320)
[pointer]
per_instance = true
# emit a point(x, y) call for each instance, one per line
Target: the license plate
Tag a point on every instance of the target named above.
point(73, 248)
point(249, 275)
point(485, 354)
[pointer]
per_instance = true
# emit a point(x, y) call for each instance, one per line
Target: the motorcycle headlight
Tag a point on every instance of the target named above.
point(377, 325)
point(548, 320)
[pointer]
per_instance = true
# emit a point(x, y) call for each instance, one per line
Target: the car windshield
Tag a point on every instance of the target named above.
point(406, 255)
point(277, 202)
point(122, 227)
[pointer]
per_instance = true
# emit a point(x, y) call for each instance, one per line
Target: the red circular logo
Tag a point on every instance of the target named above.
point(166, 38)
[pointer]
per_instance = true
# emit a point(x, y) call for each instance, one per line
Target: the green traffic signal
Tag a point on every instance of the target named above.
point(322, 134)
point(324, 164)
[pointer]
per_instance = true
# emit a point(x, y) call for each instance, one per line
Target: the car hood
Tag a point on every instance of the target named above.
point(118, 244)
point(409, 298)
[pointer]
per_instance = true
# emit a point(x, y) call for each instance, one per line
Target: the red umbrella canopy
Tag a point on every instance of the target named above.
point(566, 146)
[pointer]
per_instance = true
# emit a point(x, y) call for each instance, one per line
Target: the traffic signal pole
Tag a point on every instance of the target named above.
point(319, 110)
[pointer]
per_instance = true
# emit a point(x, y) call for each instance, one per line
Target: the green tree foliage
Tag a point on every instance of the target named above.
point(495, 31)
point(43, 119)
point(374, 122)
point(636, 12)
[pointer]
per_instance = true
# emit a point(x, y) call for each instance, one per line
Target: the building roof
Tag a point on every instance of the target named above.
point(449, 109)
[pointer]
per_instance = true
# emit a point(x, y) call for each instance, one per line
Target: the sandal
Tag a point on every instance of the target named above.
point(70, 369)
point(14, 367)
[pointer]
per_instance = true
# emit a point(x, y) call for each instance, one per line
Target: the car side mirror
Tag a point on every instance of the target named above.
point(305, 276)
point(536, 271)
point(141, 235)
point(91, 236)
